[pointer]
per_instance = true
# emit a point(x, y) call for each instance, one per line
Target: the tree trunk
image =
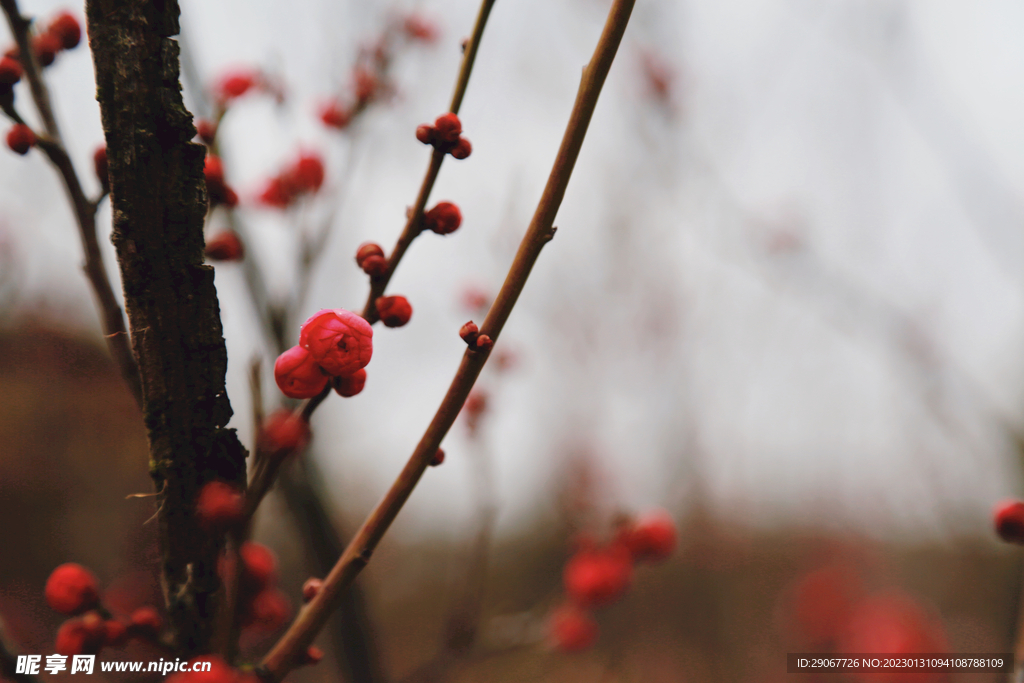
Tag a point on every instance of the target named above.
point(158, 196)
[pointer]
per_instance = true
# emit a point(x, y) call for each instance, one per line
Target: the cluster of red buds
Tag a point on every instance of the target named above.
point(370, 258)
point(830, 609)
point(305, 175)
point(263, 606)
point(62, 32)
point(446, 136)
point(369, 77)
point(73, 591)
point(470, 334)
point(332, 344)
point(598, 575)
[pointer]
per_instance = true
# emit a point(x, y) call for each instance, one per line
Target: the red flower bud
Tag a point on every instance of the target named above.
point(268, 610)
point(476, 404)
point(443, 219)
point(259, 565)
point(448, 128)
point(20, 138)
point(80, 637)
point(339, 340)
point(313, 655)
point(298, 375)
point(333, 114)
point(394, 311)
point(375, 266)
point(71, 589)
point(115, 633)
point(595, 577)
point(311, 588)
point(366, 250)
point(366, 84)
point(10, 71)
point(66, 29)
point(484, 343)
point(462, 149)
point(438, 458)
point(277, 194)
point(418, 28)
point(469, 333)
point(213, 169)
point(572, 629)
point(236, 83)
point(46, 46)
point(99, 165)
point(426, 134)
point(1009, 521)
point(284, 432)
point(225, 246)
point(652, 537)
point(350, 385)
point(219, 505)
point(308, 173)
point(207, 131)
point(146, 622)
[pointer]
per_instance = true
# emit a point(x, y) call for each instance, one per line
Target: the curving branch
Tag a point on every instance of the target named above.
point(85, 210)
point(289, 650)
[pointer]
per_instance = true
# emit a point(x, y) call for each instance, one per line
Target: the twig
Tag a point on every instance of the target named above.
point(290, 648)
point(413, 224)
point(85, 210)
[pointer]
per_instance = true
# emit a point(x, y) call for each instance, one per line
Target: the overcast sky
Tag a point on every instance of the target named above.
point(793, 290)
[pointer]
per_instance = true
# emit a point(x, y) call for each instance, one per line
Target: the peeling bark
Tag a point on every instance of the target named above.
point(158, 196)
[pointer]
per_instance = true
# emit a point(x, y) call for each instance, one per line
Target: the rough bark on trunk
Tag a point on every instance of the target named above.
point(158, 196)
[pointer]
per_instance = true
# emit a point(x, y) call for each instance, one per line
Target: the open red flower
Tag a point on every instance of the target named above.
point(340, 341)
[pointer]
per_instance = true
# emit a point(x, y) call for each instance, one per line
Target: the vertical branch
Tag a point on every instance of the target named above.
point(289, 649)
point(84, 210)
point(159, 200)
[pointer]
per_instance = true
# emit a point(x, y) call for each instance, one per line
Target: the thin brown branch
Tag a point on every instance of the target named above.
point(290, 648)
point(413, 223)
point(85, 210)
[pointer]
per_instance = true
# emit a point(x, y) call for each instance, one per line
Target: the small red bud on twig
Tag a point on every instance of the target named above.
point(469, 333)
point(145, 622)
point(311, 588)
point(445, 218)
point(46, 46)
point(20, 138)
point(484, 343)
point(225, 246)
point(438, 458)
point(1009, 521)
point(366, 250)
point(394, 311)
point(572, 628)
point(207, 131)
point(462, 149)
point(99, 165)
point(66, 29)
point(333, 114)
point(71, 589)
point(10, 71)
point(284, 433)
point(350, 385)
point(219, 505)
